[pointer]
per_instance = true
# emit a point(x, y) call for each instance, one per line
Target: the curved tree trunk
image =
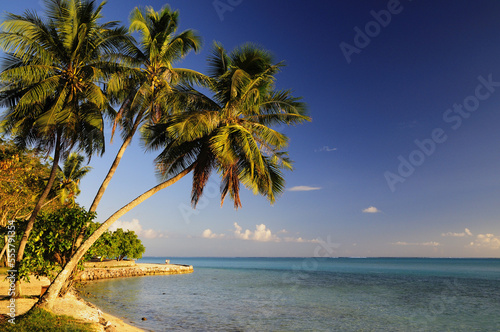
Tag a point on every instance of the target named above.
point(115, 164)
point(110, 174)
point(105, 183)
point(38, 207)
point(47, 300)
point(103, 187)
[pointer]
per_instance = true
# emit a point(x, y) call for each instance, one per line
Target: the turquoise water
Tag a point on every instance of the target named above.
point(310, 294)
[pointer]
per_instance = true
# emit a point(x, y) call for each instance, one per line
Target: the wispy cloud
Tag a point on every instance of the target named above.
point(467, 232)
point(300, 240)
point(261, 234)
point(371, 209)
point(304, 188)
point(325, 148)
point(425, 244)
point(136, 226)
point(489, 241)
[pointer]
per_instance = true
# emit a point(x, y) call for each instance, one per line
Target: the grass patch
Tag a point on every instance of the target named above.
point(3, 270)
point(39, 320)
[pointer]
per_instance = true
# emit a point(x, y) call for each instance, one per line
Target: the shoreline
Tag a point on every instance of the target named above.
point(72, 304)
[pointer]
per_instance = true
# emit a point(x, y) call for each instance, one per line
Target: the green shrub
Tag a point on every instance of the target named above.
point(39, 320)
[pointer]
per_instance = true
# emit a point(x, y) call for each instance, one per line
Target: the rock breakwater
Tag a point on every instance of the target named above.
point(133, 271)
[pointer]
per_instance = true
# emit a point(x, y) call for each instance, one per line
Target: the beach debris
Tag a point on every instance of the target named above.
point(110, 328)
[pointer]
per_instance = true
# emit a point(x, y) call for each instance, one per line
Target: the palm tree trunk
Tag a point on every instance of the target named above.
point(4, 250)
point(114, 166)
point(47, 300)
point(103, 187)
point(110, 174)
point(106, 181)
point(38, 207)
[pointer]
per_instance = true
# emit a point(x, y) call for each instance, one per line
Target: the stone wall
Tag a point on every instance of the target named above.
point(134, 271)
point(109, 263)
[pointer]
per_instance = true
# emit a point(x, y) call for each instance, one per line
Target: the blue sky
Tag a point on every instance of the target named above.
point(401, 158)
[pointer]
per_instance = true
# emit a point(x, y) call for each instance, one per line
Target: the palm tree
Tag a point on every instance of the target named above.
point(143, 89)
point(70, 176)
point(231, 135)
point(50, 83)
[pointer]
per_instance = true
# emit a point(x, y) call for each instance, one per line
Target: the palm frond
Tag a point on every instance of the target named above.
point(218, 61)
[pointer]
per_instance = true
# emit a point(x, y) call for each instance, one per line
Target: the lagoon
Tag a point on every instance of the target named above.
point(310, 294)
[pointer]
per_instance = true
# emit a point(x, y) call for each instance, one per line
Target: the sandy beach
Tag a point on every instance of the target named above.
point(71, 304)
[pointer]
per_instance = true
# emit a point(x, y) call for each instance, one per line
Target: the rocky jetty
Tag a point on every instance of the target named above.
point(96, 273)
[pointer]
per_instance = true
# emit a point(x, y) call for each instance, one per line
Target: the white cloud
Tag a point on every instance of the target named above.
point(425, 244)
point(261, 234)
point(488, 241)
point(466, 232)
point(208, 234)
point(325, 148)
point(150, 234)
point(371, 209)
point(304, 188)
point(239, 235)
point(136, 226)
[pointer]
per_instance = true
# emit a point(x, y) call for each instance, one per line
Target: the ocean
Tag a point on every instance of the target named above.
point(309, 294)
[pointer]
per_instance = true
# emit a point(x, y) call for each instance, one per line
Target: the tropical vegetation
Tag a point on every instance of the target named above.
point(69, 178)
point(50, 83)
point(53, 242)
point(64, 73)
point(23, 177)
point(123, 244)
point(22, 174)
point(145, 85)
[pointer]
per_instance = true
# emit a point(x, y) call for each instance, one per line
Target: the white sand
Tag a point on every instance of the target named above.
point(70, 305)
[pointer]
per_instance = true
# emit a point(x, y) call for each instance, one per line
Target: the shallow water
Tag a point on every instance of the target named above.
point(298, 294)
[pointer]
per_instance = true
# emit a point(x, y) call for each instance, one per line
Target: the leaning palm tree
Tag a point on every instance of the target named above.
point(143, 88)
point(232, 132)
point(229, 134)
point(50, 83)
